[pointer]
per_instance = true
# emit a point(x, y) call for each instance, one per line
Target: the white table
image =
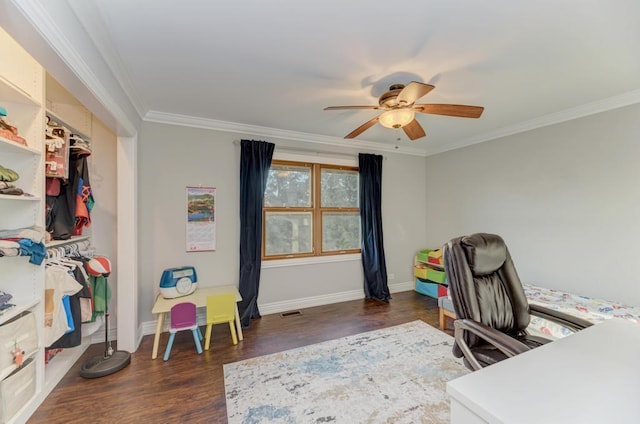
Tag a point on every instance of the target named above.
point(589, 377)
point(199, 297)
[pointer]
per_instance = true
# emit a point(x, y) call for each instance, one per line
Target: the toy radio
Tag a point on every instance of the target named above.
point(176, 282)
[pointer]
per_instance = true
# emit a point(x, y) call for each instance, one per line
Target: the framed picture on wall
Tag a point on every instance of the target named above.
point(201, 219)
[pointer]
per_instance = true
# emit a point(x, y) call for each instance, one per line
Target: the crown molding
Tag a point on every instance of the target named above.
point(615, 102)
point(90, 18)
point(587, 109)
point(245, 129)
point(48, 28)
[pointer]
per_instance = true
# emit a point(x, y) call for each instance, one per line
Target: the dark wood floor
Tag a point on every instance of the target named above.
point(189, 388)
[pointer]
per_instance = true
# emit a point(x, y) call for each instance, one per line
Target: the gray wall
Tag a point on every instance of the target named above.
point(102, 169)
point(173, 157)
point(566, 199)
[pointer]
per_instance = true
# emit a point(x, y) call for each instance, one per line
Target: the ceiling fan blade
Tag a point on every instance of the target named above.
point(461, 111)
point(414, 130)
point(362, 128)
point(412, 92)
point(351, 107)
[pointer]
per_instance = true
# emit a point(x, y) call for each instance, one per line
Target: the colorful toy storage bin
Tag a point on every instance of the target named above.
point(430, 274)
point(17, 333)
point(17, 389)
point(434, 290)
point(423, 255)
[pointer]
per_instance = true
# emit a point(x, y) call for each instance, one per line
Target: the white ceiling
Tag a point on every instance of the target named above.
point(277, 64)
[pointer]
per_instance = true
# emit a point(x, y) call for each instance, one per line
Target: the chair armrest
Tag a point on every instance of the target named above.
point(566, 320)
point(506, 344)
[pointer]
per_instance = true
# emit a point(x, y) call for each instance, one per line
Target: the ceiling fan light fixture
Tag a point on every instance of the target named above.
point(396, 118)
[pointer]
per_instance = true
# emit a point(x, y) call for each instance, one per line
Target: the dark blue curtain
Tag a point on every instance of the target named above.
point(255, 160)
point(373, 261)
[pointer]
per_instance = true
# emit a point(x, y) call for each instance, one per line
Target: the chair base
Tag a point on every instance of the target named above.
point(197, 336)
point(207, 338)
point(444, 314)
point(101, 366)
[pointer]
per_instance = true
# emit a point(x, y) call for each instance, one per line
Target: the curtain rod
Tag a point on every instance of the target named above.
point(316, 152)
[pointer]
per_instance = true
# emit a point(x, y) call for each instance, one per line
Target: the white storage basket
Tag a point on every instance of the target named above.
point(17, 389)
point(20, 332)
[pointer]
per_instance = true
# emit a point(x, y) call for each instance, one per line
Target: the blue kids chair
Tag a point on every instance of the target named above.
point(183, 317)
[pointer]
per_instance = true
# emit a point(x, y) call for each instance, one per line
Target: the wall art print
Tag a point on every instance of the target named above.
point(201, 219)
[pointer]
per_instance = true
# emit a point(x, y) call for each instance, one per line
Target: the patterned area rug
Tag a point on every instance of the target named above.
point(394, 375)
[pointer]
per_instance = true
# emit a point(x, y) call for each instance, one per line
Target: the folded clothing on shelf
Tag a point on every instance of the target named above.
point(9, 248)
point(8, 175)
point(30, 242)
point(10, 132)
point(6, 307)
point(34, 233)
point(11, 189)
point(5, 298)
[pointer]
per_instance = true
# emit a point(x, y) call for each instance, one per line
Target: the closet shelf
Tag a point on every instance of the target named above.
point(27, 198)
point(435, 266)
point(9, 146)
point(63, 123)
point(9, 92)
point(19, 308)
point(73, 239)
point(61, 363)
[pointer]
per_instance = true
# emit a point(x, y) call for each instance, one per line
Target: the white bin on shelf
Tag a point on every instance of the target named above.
point(17, 389)
point(21, 333)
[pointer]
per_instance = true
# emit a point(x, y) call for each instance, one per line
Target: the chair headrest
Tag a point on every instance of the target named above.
point(485, 252)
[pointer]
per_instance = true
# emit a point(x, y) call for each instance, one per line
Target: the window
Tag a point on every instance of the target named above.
point(310, 210)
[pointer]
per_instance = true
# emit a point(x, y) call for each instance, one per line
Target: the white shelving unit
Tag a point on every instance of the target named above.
point(61, 121)
point(22, 93)
point(21, 198)
point(73, 239)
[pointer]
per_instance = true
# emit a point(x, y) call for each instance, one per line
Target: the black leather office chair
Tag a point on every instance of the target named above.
point(491, 308)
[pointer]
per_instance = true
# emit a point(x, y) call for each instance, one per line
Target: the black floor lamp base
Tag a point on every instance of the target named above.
point(101, 366)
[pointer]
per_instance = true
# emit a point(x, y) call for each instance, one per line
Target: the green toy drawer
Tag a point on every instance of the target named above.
point(423, 255)
point(436, 276)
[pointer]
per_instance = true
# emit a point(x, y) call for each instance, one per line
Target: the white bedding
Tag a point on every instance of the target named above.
point(594, 310)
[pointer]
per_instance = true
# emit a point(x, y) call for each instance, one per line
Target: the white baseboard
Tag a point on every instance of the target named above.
point(139, 335)
point(400, 287)
point(98, 336)
point(309, 302)
point(149, 327)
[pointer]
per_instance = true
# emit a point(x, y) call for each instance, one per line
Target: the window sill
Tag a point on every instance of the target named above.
point(311, 260)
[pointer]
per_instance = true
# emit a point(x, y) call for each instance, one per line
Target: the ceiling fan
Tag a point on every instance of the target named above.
point(400, 108)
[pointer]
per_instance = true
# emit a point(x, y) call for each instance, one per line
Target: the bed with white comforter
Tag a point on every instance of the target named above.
point(590, 309)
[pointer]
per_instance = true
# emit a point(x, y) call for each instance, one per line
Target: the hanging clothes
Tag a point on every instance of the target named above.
point(84, 195)
point(98, 286)
point(58, 283)
point(69, 211)
point(60, 211)
point(73, 337)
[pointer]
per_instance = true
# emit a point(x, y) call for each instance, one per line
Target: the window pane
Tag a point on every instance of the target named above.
point(288, 186)
point(340, 231)
point(288, 233)
point(339, 188)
